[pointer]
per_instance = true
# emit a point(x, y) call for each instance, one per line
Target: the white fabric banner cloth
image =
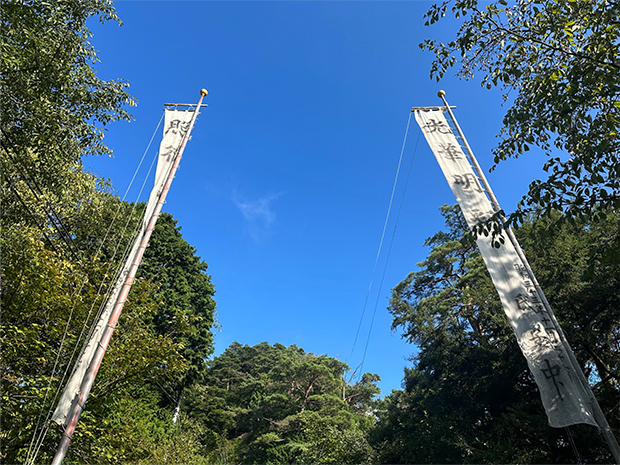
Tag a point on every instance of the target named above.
point(563, 396)
point(176, 125)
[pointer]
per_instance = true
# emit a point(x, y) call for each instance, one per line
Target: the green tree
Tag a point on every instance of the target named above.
point(53, 110)
point(469, 396)
point(185, 295)
point(277, 404)
point(36, 294)
point(60, 253)
point(361, 396)
point(559, 65)
point(49, 299)
point(134, 427)
point(47, 293)
point(53, 107)
point(185, 305)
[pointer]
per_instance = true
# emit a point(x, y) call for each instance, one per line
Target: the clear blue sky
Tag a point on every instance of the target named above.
point(284, 187)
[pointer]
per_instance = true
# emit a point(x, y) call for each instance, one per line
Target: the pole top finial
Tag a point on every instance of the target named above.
point(203, 92)
point(441, 93)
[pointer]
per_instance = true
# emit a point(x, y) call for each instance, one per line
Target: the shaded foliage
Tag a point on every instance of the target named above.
point(469, 396)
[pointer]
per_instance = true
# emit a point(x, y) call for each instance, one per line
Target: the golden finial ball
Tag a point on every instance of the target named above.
point(203, 92)
point(441, 93)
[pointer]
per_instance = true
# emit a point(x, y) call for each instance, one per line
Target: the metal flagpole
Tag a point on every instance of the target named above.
point(599, 416)
point(93, 368)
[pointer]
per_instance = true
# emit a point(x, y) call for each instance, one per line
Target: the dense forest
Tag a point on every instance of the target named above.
point(161, 395)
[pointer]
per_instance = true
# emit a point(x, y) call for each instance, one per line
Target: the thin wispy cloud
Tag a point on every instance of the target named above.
point(257, 213)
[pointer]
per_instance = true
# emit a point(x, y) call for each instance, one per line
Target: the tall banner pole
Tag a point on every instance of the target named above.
point(94, 366)
point(597, 412)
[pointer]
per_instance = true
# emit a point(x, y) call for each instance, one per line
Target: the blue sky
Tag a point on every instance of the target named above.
point(285, 184)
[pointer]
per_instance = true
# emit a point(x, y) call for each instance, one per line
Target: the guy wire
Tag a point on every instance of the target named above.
point(35, 445)
point(402, 200)
point(382, 237)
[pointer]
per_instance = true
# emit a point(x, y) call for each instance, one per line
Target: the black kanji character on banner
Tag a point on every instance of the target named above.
point(525, 304)
point(450, 151)
point(520, 267)
point(168, 152)
point(432, 125)
point(552, 372)
point(178, 127)
point(468, 181)
point(543, 339)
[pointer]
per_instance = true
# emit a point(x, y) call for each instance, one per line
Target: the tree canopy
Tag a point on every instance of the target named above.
point(277, 404)
point(469, 396)
point(53, 107)
point(558, 63)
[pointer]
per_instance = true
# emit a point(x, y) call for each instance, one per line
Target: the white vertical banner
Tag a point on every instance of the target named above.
point(563, 396)
point(176, 125)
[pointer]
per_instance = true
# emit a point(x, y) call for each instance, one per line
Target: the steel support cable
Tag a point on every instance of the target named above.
point(34, 449)
point(153, 210)
point(50, 214)
point(402, 200)
point(33, 216)
point(573, 445)
point(86, 337)
point(132, 236)
point(118, 270)
point(102, 284)
point(387, 217)
point(49, 211)
point(127, 250)
point(88, 318)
